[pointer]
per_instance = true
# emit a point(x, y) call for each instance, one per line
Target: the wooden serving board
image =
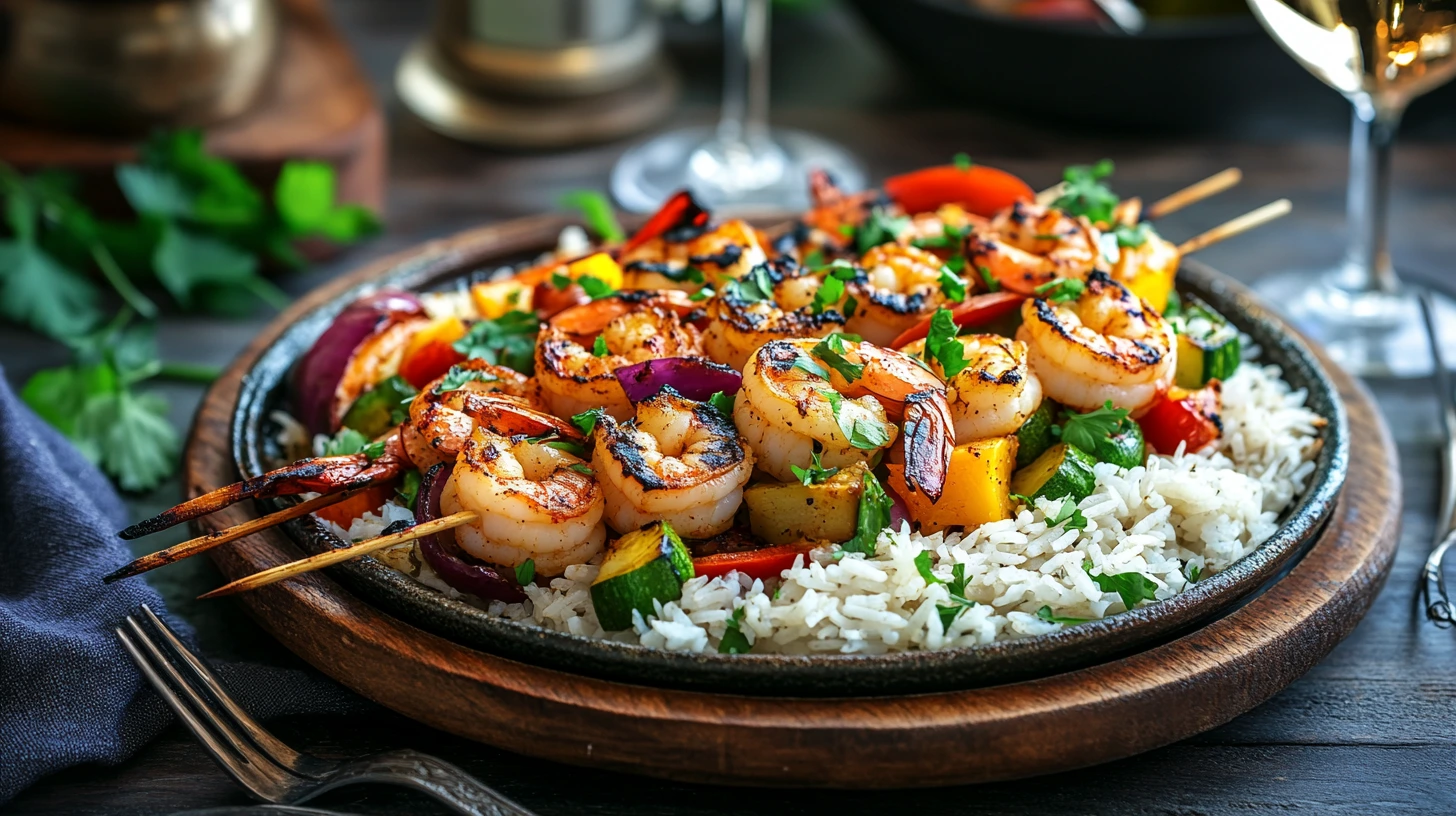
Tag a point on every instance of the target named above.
point(1081, 718)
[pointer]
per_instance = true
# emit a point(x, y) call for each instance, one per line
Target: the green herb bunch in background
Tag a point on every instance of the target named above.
point(201, 233)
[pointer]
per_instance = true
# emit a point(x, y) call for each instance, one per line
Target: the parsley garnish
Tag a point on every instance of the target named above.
point(1193, 572)
point(722, 403)
point(922, 565)
point(599, 347)
point(595, 287)
point(1069, 513)
point(958, 601)
point(830, 292)
point(951, 286)
point(1133, 236)
point(526, 573)
point(1045, 613)
point(874, 516)
point(560, 281)
point(805, 363)
point(962, 162)
point(755, 286)
point(814, 257)
point(458, 376)
point(734, 641)
point(509, 340)
point(878, 228)
point(942, 346)
point(701, 295)
point(1085, 193)
point(992, 285)
point(865, 434)
point(345, 443)
point(582, 469)
point(409, 488)
point(1132, 587)
point(586, 421)
point(831, 350)
point(1062, 290)
point(815, 473)
point(597, 212)
point(1087, 430)
point(554, 440)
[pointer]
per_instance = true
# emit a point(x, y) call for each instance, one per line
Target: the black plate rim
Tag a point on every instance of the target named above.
point(1181, 28)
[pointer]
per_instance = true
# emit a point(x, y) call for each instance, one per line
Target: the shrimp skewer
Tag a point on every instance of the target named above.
point(995, 393)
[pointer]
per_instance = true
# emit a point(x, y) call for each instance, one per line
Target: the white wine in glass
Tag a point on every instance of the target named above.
point(1380, 54)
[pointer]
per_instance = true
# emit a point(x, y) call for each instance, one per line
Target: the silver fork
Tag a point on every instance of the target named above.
point(1433, 585)
point(270, 770)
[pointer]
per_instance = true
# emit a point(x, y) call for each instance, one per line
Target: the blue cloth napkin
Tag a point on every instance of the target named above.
point(69, 693)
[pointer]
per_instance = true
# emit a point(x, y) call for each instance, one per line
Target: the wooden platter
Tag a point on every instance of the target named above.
point(1065, 721)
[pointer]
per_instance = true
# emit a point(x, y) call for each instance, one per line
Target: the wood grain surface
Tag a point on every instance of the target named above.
point(1171, 692)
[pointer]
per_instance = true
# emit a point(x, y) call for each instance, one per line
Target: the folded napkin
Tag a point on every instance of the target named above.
point(69, 693)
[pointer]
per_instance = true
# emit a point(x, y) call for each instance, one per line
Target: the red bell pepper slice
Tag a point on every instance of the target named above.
point(680, 211)
point(1184, 417)
point(979, 189)
point(766, 563)
point(978, 311)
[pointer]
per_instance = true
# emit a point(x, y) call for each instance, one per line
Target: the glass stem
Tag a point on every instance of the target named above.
point(1368, 267)
point(745, 71)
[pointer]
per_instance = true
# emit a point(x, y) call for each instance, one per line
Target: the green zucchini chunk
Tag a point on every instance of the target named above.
point(649, 565)
point(374, 413)
point(1062, 470)
point(1035, 434)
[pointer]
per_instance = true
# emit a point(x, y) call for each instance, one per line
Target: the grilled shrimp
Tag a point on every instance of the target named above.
point(634, 326)
point(995, 393)
point(677, 461)
point(533, 500)
point(900, 287)
point(737, 326)
point(1030, 246)
point(834, 212)
point(440, 421)
point(725, 252)
point(1103, 346)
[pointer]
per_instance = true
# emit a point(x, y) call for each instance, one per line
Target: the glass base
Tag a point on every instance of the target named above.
point(771, 174)
point(1370, 334)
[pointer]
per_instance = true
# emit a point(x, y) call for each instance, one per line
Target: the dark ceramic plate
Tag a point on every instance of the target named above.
point(264, 389)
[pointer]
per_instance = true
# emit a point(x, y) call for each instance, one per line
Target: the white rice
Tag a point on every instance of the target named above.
point(1176, 516)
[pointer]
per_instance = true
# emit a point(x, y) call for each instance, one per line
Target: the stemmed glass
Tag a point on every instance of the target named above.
point(741, 163)
point(1380, 54)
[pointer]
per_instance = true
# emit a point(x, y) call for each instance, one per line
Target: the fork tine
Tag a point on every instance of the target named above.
point(247, 753)
point(198, 674)
point(238, 767)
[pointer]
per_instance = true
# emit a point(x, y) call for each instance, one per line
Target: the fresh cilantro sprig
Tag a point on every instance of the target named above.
point(734, 641)
point(1069, 514)
point(956, 588)
point(833, 289)
point(951, 286)
point(1045, 613)
point(722, 403)
point(1086, 194)
point(862, 433)
point(509, 340)
point(941, 345)
point(597, 212)
point(1087, 431)
point(874, 516)
point(879, 227)
point(459, 375)
point(815, 473)
point(1132, 587)
point(526, 572)
point(599, 347)
point(1133, 235)
point(1061, 290)
point(757, 285)
point(832, 350)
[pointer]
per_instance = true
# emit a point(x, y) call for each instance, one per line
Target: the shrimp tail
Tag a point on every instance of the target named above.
point(929, 440)
point(326, 474)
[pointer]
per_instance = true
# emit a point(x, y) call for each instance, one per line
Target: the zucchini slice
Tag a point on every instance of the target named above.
point(1125, 447)
point(649, 565)
point(1035, 434)
point(1208, 347)
point(1062, 470)
point(373, 413)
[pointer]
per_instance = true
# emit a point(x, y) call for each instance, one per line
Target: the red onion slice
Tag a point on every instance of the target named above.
point(440, 551)
point(693, 377)
point(317, 376)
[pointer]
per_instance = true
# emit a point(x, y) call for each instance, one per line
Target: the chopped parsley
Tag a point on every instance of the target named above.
point(830, 292)
point(1132, 587)
point(1070, 514)
point(865, 434)
point(1062, 290)
point(347, 441)
point(874, 516)
point(951, 286)
point(1193, 572)
point(722, 403)
point(701, 295)
point(1133, 236)
point(922, 565)
point(526, 573)
point(805, 363)
point(553, 440)
point(595, 287)
point(599, 347)
point(582, 469)
point(1086, 194)
point(409, 488)
point(586, 421)
point(734, 641)
point(755, 286)
point(560, 281)
point(509, 340)
point(958, 600)
point(1087, 431)
point(831, 350)
point(597, 212)
point(942, 346)
point(815, 473)
point(962, 162)
point(879, 228)
point(458, 376)
point(1045, 613)
point(992, 285)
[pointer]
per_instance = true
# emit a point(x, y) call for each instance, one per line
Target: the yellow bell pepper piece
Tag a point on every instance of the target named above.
point(495, 298)
point(600, 265)
point(1148, 271)
point(977, 487)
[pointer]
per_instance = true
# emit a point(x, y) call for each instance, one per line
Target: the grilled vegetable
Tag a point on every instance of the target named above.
point(766, 563)
point(977, 188)
point(1190, 418)
point(374, 413)
point(1063, 470)
point(1148, 270)
point(783, 513)
point(431, 353)
point(977, 487)
point(1208, 347)
point(1123, 447)
point(648, 565)
point(1036, 435)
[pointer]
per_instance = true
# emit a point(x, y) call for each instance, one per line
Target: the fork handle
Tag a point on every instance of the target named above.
point(1438, 604)
point(452, 786)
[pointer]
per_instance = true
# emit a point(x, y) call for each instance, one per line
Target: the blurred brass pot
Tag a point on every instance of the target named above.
point(126, 66)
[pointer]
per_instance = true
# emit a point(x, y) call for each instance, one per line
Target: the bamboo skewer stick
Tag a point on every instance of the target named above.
point(1194, 193)
point(1050, 194)
point(176, 553)
point(328, 559)
point(1244, 223)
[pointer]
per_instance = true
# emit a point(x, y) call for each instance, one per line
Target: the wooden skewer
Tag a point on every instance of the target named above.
point(1194, 193)
point(328, 559)
point(176, 553)
point(1050, 194)
point(1244, 223)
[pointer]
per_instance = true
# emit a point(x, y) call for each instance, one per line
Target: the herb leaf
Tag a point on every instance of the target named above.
point(922, 565)
point(585, 470)
point(1069, 514)
point(1132, 587)
point(942, 346)
point(346, 442)
point(734, 641)
point(878, 228)
point(874, 516)
point(722, 402)
point(509, 340)
point(409, 488)
point(815, 473)
point(1062, 290)
point(865, 434)
point(1086, 194)
point(597, 212)
point(599, 347)
point(595, 287)
point(1087, 430)
point(951, 286)
point(1045, 613)
point(962, 162)
point(1134, 235)
point(458, 376)
point(586, 421)
point(831, 350)
point(526, 572)
point(992, 285)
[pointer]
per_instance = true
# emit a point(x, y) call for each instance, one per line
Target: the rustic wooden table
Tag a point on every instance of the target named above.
point(1372, 728)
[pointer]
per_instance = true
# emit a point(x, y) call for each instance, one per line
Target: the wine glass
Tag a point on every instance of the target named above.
point(741, 163)
point(1380, 54)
